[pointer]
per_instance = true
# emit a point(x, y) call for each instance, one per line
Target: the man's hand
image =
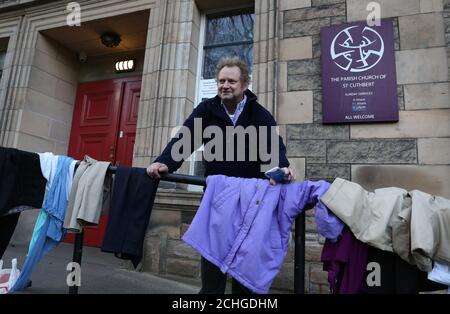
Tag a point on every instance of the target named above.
point(156, 169)
point(288, 171)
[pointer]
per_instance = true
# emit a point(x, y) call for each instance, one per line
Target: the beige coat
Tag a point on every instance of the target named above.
point(86, 196)
point(415, 225)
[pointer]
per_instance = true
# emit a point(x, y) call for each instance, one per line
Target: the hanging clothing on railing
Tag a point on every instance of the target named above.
point(396, 276)
point(405, 231)
point(86, 196)
point(132, 201)
point(357, 268)
point(49, 163)
point(345, 261)
point(415, 225)
point(21, 186)
point(440, 274)
point(243, 225)
point(8, 224)
point(51, 230)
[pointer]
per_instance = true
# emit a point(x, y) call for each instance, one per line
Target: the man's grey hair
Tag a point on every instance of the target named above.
point(234, 62)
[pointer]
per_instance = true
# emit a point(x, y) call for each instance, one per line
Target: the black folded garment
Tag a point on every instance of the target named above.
point(399, 277)
point(7, 225)
point(21, 184)
point(21, 179)
point(132, 201)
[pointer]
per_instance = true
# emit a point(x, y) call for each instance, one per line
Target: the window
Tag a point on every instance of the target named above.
point(227, 35)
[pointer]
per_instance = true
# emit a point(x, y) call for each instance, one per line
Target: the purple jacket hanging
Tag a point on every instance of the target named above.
point(345, 261)
point(243, 225)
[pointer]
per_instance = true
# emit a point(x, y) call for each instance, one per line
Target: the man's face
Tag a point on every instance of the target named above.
point(229, 85)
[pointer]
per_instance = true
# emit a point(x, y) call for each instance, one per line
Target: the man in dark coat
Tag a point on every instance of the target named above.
point(234, 108)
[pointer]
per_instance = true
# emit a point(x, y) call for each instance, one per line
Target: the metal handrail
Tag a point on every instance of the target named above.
point(174, 177)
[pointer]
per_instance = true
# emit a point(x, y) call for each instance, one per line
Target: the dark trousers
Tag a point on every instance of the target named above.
point(132, 201)
point(397, 276)
point(7, 225)
point(214, 281)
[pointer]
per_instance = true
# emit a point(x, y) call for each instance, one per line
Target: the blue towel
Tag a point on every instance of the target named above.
point(50, 229)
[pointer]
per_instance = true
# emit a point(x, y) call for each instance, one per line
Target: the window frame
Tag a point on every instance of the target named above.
point(205, 47)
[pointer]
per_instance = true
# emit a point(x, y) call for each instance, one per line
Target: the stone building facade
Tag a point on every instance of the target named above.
point(41, 70)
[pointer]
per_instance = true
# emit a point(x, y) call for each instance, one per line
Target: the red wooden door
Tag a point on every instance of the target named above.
point(127, 124)
point(104, 127)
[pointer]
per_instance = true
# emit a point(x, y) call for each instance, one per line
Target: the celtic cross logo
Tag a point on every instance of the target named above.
point(357, 50)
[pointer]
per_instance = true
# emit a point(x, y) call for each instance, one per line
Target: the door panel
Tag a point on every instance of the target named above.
point(95, 120)
point(97, 110)
point(97, 146)
point(127, 126)
point(104, 127)
point(127, 145)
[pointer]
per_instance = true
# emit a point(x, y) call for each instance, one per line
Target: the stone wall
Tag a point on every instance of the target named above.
point(413, 153)
point(48, 106)
point(446, 15)
point(164, 252)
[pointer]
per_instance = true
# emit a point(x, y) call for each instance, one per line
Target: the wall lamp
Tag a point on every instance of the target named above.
point(125, 66)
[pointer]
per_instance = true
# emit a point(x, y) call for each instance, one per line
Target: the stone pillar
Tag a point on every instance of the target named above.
point(265, 53)
point(8, 117)
point(169, 76)
point(446, 15)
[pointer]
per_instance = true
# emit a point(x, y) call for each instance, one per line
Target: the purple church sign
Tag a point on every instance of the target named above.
point(358, 73)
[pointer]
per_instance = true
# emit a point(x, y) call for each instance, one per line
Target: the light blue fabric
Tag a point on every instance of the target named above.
point(37, 228)
point(51, 230)
point(49, 164)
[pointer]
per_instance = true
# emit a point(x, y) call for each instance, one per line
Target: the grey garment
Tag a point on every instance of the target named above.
point(430, 229)
point(87, 196)
point(401, 231)
point(421, 231)
point(107, 193)
point(415, 225)
point(82, 167)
